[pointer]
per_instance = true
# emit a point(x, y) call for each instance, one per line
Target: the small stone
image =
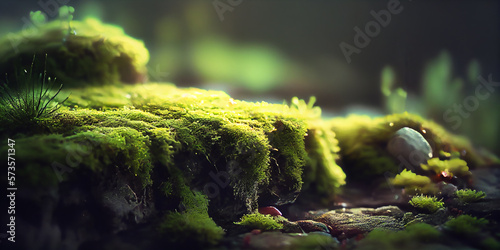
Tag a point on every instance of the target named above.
point(409, 145)
point(446, 189)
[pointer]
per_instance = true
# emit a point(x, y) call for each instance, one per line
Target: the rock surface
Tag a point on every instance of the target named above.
point(346, 225)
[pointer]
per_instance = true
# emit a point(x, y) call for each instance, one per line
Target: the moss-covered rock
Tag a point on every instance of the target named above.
point(363, 144)
point(168, 165)
point(79, 52)
point(163, 139)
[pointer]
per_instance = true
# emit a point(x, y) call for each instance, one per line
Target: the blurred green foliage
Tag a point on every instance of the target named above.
point(441, 90)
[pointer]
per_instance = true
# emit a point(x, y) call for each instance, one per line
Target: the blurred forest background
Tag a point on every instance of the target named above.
point(425, 60)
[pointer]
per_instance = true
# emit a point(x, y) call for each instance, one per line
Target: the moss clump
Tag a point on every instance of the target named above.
point(413, 183)
point(413, 237)
point(427, 204)
point(409, 179)
point(213, 124)
point(250, 149)
point(323, 171)
point(450, 167)
point(80, 52)
point(466, 225)
point(170, 140)
point(468, 195)
point(120, 146)
point(260, 221)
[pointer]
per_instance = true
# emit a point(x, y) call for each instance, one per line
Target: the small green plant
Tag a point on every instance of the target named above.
point(32, 97)
point(260, 221)
point(469, 195)
point(306, 109)
point(466, 224)
point(425, 203)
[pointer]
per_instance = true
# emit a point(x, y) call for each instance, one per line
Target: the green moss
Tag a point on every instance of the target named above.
point(314, 241)
point(120, 146)
point(466, 225)
point(260, 221)
point(452, 166)
point(100, 149)
point(412, 237)
point(250, 149)
point(409, 179)
point(288, 141)
point(212, 124)
point(490, 243)
point(156, 128)
point(323, 172)
point(427, 204)
point(414, 183)
point(468, 195)
point(163, 145)
point(95, 53)
point(190, 228)
point(193, 225)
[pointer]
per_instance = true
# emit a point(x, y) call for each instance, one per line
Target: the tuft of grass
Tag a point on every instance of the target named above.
point(469, 195)
point(31, 99)
point(425, 203)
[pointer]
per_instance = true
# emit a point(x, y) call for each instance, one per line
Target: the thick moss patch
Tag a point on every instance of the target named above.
point(173, 141)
